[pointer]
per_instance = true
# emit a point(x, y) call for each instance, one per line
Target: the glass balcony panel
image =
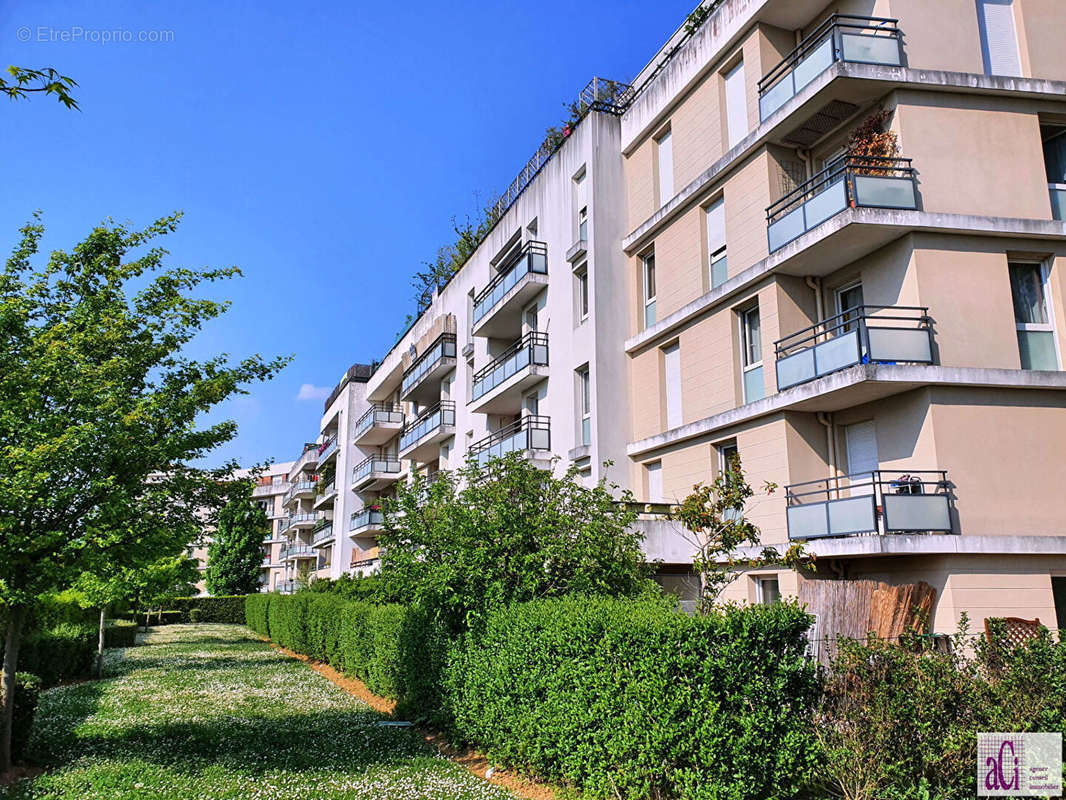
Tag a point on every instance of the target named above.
point(1037, 350)
point(852, 515)
point(829, 201)
point(719, 272)
point(785, 229)
point(868, 49)
point(1058, 202)
point(779, 94)
point(871, 190)
point(923, 512)
point(754, 387)
point(795, 368)
point(813, 65)
point(649, 314)
point(837, 353)
point(586, 431)
point(891, 344)
point(807, 521)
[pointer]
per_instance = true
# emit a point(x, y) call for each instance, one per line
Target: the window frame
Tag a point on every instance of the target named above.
point(721, 252)
point(746, 340)
point(1044, 271)
point(647, 267)
point(584, 404)
point(581, 291)
point(665, 185)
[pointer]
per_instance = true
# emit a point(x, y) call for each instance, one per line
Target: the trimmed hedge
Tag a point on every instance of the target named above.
point(614, 697)
point(228, 608)
point(64, 652)
point(120, 633)
point(27, 694)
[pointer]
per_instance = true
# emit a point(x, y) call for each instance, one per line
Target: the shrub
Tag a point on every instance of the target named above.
point(27, 693)
point(635, 699)
point(194, 615)
point(212, 609)
point(120, 633)
point(255, 612)
point(61, 653)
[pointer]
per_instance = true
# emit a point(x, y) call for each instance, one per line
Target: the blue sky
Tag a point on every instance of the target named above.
point(323, 148)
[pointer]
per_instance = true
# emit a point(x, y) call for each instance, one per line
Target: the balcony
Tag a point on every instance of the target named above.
point(529, 434)
point(380, 423)
point(1058, 200)
point(881, 502)
point(497, 388)
point(297, 551)
point(375, 473)
point(366, 566)
point(287, 587)
point(327, 450)
point(849, 182)
point(842, 37)
point(326, 496)
point(498, 308)
point(421, 437)
point(300, 490)
point(322, 533)
point(268, 489)
point(861, 335)
point(300, 522)
point(366, 524)
point(421, 380)
point(309, 458)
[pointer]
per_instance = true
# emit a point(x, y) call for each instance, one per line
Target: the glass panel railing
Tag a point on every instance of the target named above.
point(443, 347)
point(531, 259)
point(842, 37)
point(366, 518)
point(531, 432)
point(375, 464)
point(864, 334)
point(378, 414)
point(1058, 200)
point(328, 448)
point(869, 181)
point(442, 414)
point(531, 349)
point(754, 385)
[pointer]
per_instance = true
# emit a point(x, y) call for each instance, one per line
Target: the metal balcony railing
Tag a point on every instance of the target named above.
point(299, 488)
point(366, 518)
point(387, 464)
point(531, 432)
point(1058, 200)
point(532, 258)
point(443, 347)
point(297, 519)
point(848, 182)
point(322, 532)
point(879, 502)
point(441, 414)
point(860, 335)
point(298, 551)
point(327, 449)
point(531, 349)
point(842, 37)
point(378, 414)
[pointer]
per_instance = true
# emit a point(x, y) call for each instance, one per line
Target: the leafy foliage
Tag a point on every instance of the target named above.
point(60, 653)
point(872, 139)
point(718, 529)
point(30, 81)
point(482, 537)
point(211, 609)
point(27, 696)
point(235, 552)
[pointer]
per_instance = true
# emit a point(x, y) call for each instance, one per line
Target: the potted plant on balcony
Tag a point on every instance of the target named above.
point(871, 141)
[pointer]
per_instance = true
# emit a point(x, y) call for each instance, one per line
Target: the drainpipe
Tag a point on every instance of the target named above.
point(819, 312)
point(830, 445)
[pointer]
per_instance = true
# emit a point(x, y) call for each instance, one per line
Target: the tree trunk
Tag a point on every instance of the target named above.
point(16, 616)
point(100, 643)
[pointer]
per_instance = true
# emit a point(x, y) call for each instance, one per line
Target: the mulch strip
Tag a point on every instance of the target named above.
point(471, 760)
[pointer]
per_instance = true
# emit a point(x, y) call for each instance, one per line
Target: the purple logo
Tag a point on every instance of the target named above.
point(1019, 764)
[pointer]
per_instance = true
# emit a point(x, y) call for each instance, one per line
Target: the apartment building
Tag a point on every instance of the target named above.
point(868, 320)
point(825, 238)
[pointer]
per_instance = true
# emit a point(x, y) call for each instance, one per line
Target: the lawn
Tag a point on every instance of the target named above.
point(208, 711)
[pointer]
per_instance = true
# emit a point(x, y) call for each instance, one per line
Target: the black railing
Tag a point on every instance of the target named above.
point(860, 335)
point(531, 349)
point(384, 463)
point(531, 432)
point(842, 37)
point(848, 182)
point(532, 257)
point(379, 412)
point(444, 346)
point(440, 414)
point(881, 501)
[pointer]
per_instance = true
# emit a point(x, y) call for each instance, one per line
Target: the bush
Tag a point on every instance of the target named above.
point(120, 633)
point(27, 694)
point(634, 699)
point(194, 615)
point(64, 652)
point(228, 609)
point(255, 612)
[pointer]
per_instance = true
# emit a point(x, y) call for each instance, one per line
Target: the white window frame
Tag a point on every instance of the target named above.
point(654, 468)
point(760, 590)
point(745, 344)
point(716, 251)
point(584, 404)
point(581, 203)
point(581, 290)
point(647, 265)
point(664, 159)
point(1049, 310)
point(725, 451)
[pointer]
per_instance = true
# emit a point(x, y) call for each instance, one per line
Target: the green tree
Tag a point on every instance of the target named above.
point(508, 532)
point(724, 540)
point(157, 583)
point(101, 412)
point(235, 553)
point(31, 81)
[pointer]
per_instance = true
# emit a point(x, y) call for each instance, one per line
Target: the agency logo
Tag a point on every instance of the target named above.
point(1019, 764)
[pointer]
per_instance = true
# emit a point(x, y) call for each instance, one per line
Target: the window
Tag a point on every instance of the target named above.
point(767, 591)
point(470, 377)
point(672, 377)
point(531, 404)
point(581, 204)
point(584, 405)
point(649, 289)
point(716, 250)
point(849, 306)
point(727, 454)
point(751, 354)
point(583, 224)
point(1058, 593)
point(665, 151)
point(581, 292)
point(736, 104)
point(531, 318)
point(654, 474)
point(860, 439)
point(1032, 318)
point(999, 39)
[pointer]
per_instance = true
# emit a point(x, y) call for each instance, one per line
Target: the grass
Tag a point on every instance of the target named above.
point(200, 712)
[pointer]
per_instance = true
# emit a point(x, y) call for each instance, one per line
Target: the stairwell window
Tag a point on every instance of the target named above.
point(717, 268)
point(648, 269)
point(664, 148)
point(1032, 317)
point(751, 354)
point(584, 405)
point(736, 104)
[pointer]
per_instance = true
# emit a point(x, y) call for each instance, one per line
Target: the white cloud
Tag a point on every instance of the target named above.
point(309, 391)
